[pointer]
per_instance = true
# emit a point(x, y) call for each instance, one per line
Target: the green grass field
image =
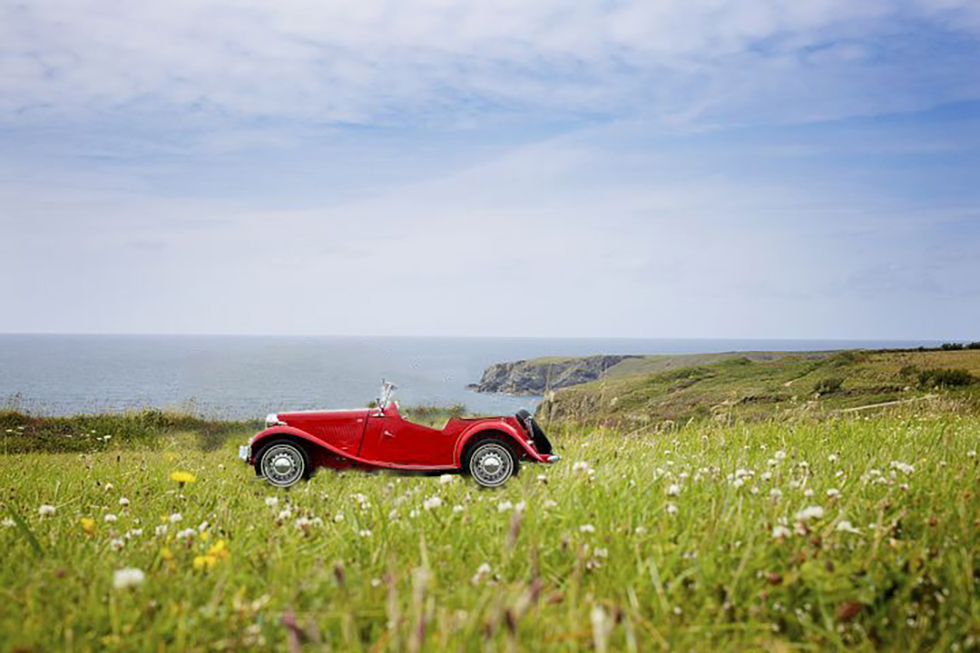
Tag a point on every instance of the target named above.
point(780, 535)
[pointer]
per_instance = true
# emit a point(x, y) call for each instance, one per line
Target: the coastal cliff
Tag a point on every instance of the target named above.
point(537, 376)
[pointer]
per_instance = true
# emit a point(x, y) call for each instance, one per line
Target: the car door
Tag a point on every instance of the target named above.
point(392, 439)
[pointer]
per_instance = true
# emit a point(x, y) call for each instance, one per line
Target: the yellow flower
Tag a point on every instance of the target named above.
point(183, 477)
point(205, 562)
point(204, 536)
point(166, 554)
point(219, 550)
point(88, 525)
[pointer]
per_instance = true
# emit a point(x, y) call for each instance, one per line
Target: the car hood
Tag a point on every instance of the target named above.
point(320, 416)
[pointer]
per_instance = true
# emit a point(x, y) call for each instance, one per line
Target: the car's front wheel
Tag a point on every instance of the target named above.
point(491, 463)
point(283, 463)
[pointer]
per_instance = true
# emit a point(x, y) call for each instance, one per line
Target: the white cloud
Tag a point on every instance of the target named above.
point(422, 60)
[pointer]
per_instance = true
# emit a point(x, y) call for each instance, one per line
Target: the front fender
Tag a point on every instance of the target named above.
point(494, 427)
point(270, 433)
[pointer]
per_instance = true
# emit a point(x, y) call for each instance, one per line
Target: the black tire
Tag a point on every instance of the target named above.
point(491, 461)
point(283, 463)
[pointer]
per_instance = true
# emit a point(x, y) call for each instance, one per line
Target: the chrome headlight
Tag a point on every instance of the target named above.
point(272, 419)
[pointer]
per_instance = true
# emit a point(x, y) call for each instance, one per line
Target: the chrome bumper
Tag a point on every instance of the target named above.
point(552, 458)
point(245, 452)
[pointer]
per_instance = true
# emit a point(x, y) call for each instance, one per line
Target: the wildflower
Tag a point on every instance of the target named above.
point(134, 533)
point(833, 493)
point(808, 493)
point(766, 476)
point(160, 530)
point(88, 525)
point(8, 523)
point(46, 510)
point(780, 455)
point(272, 502)
point(972, 453)
point(176, 517)
point(671, 509)
point(339, 517)
point(481, 572)
point(124, 502)
point(583, 467)
point(186, 534)
point(542, 479)
point(116, 544)
point(110, 518)
point(640, 530)
point(204, 562)
point(520, 506)
point(811, 512)
point(586, 528)
point(127, 577)
point(780, 532)
point(364, 532)
point(182, 478)
point(738, 482)
point(905, 468)
point(504, 506)
point(601, 553)
point(284, 515)
point(446, 479)
point(219, 550)
point(776, 494)
point(432, 503)
point(303, 524)
point(457, 509)
point(166, 554)
point(832, 458)
point(550, 504)
point(107, 487)
point(673, 490)
point(846, 527)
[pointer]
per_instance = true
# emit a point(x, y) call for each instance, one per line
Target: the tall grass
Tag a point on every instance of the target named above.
point(845, 533)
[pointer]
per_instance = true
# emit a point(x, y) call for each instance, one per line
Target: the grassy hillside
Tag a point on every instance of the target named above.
point(745, 388)
point(814, 535)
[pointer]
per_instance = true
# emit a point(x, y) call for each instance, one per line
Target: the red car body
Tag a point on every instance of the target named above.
point(375, 438)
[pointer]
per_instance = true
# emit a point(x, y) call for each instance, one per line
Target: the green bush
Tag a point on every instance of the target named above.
point(909, 371)
point(945, 378)
point(974, 345)
point(829, 385)
point(952, 346)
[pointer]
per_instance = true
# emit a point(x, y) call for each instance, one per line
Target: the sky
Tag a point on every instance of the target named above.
point(608, 168)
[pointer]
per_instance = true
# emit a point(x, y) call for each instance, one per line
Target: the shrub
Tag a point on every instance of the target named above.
point(909, 371)
point(829, 385)
point(974, 345)
point(952, 346)
point(945, 378)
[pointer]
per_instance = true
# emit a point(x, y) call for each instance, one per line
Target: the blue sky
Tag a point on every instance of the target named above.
point(706, 168)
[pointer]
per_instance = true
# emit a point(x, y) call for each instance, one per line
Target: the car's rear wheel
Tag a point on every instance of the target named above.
point(491, 462)
point(283, 463)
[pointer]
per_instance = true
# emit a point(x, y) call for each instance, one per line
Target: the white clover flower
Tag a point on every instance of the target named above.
point(542, 478)
point(738, 482)
point(432, 503)
point(846, 527)
point(203, 526)
point(832, 458)
point(364, 532)
point(810, 512)
point(549, 503)
point(413, 513)
point(972, 453)
point(481, 572)
point(446, 479)
point(46, 510)
point(775, 493)
point(520, 506)
point(284, 514)
point(359, 498)
point(601, 553)
point(339, 517)
point(187, 534)
point(107, 487)
point(116, 544)
point(581, 466)
point(766, 476)
point(176, 517)
point(8, 523)
point(780, 532)
point(160, 530)
point(110, 518)
point(673, 490)
point(780, 455)
point(458, 508)
point(124, 502)
point(128, 577)
point(272, 502)
point(586, 528)
point(504, 506)
point(905, 468)
point(303, 524)
point(808, 493)
point(671, 509)
point(134, 533)
point(640, 530)
point(833, 493)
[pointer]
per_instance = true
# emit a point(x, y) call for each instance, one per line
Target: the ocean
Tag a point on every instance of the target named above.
point(249, 376)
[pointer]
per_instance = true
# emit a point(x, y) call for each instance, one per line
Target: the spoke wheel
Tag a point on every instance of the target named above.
point(283, 464)
point(491, 464)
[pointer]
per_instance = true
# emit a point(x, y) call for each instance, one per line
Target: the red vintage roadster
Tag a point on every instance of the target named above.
point(490, 449)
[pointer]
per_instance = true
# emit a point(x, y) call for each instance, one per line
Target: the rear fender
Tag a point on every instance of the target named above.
point(495, 428)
